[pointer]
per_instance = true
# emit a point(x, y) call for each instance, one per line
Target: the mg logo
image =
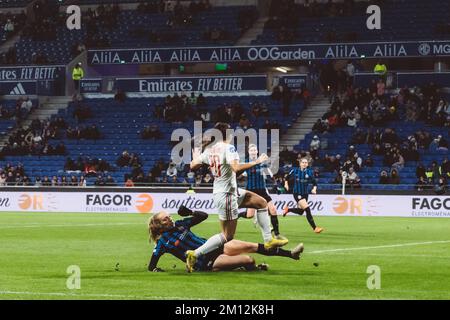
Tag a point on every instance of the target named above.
point(424, 49)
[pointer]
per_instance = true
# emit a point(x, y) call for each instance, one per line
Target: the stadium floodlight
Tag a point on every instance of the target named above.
point(281, 69)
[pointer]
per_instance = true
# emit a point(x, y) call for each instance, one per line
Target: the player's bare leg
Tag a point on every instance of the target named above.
point(228, 263)
point(228, 231)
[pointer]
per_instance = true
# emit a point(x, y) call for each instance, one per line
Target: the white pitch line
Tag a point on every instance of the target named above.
point(80, 295)
point(68, 225)
point(381, 247)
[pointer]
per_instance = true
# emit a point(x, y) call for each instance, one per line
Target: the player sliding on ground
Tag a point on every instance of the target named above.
point(301, 177)
point(176, 238)
point(256, 182)
point(223, 161)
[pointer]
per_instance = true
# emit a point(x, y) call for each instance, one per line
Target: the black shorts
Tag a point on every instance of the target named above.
point(263, 193)
point(206, 263)
point(299, 197)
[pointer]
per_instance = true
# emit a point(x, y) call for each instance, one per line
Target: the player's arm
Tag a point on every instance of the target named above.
point(286, 180)
point(242, 173)
point(152, 265)
point(314, 183)
point(240, 167)
point(195, 217)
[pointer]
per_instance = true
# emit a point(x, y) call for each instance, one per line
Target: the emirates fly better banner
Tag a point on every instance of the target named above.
point(138, 202)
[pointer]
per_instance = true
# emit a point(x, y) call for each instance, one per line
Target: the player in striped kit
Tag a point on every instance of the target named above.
point(301, 177)
point(176, 238)
point(256, 182)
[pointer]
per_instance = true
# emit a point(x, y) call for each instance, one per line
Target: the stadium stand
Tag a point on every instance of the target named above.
point(48, 41)
point(121, 126)
point(377, 135)
point(341, 22)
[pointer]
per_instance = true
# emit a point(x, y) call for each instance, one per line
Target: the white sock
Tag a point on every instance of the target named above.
point(264, 224)
point(213, 243)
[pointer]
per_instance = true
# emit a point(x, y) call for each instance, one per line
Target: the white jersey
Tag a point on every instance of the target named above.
point(219, 158)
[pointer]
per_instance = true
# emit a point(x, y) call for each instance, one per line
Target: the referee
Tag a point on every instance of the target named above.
point(302, 177)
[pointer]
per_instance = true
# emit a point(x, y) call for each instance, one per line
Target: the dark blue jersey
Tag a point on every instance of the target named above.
point(255, 177)
point(302, 179)
point(178, 240)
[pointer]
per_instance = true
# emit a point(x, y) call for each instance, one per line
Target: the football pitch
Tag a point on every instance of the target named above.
point(112, 252)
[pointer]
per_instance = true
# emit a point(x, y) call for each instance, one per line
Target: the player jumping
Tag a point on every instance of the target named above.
point(176, 238)
point(223, 161)
point(302, 176)
point(256, 182)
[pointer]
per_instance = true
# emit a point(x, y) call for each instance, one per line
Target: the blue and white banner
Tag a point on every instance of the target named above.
point(91, 85)
point(18, 88)
point(194, 83)
point(32, 73)
point(297, 52)
point(293, 81)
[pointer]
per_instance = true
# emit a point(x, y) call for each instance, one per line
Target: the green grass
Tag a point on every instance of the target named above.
point(37, 248)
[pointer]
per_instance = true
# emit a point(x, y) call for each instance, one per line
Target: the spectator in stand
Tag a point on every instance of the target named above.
point(352, 179)
point(151, 132)
point(381, 88)
point(350, 72)
point(384, 178)
point(2, 179)
point(120, 96)
point(73, 181)
point(124, 159)
point(445, 169)
point(395, 178)
point(422, 184)
point(442, 143)
point(172, 170)
point(208, 179)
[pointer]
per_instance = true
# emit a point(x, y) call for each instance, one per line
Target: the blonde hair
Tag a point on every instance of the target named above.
point(155, 228)
point(252, 146)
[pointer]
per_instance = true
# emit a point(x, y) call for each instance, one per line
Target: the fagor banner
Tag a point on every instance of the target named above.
point(195, 83)
point(138, 202)
point(295, 52)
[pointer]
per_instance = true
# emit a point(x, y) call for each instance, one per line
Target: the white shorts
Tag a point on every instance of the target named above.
point(227, 204)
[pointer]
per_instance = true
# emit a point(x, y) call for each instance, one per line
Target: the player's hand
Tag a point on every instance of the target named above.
point(314, 190)
point(262, 158)
point(184, 211)
point(196, 153)
point(158, 270)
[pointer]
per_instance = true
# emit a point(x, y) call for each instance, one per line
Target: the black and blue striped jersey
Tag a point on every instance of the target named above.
point(178, 240)
point(256, 179)
point(302, 179)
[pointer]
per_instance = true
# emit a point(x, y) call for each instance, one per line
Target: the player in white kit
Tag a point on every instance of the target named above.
point(223, 161)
